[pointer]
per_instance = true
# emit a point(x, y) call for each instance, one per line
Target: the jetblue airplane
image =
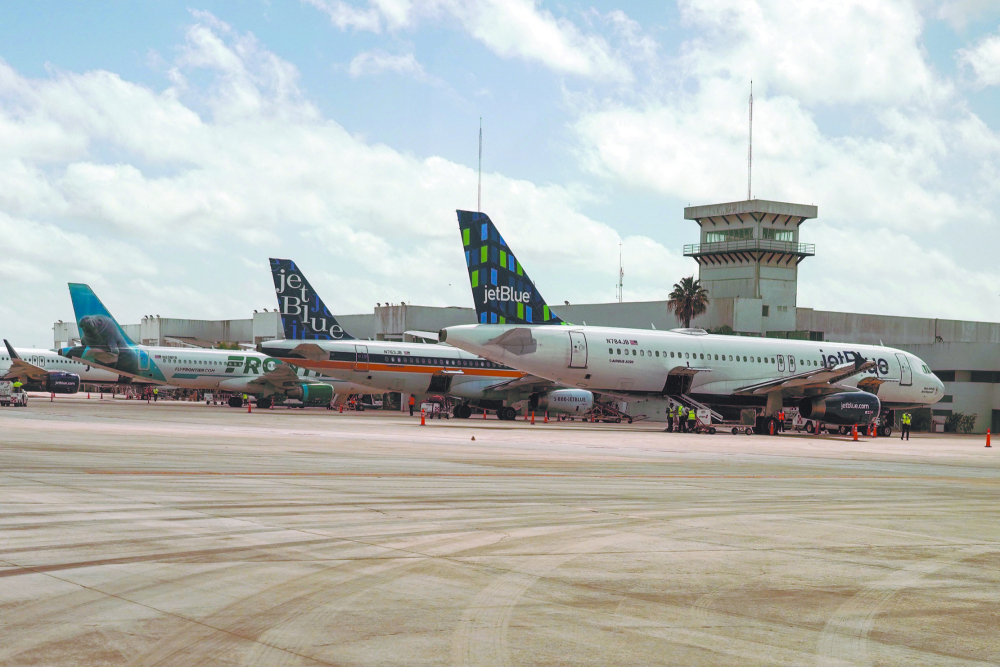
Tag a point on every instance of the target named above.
point(837, 383)
point(46, 370)
point(104, 344)
point(314, 339)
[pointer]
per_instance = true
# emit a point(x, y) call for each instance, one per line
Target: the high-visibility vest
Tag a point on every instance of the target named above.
point(906, 419)
point(691, 416)
point(18, 384)
point(680, 410)
point(413, 399)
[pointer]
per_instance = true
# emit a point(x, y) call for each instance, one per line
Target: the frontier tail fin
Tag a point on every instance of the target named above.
point(503, 292)
point(304, 316)
point(97, 327)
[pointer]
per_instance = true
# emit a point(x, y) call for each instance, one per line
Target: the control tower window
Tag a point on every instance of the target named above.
point(772, 234)
point(723, 235)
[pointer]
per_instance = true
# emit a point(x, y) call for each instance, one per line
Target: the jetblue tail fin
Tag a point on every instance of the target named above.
point(501, 289)
point(304, 316)
point(97, 327)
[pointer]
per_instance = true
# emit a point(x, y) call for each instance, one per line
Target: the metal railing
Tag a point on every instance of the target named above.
point(766, 245)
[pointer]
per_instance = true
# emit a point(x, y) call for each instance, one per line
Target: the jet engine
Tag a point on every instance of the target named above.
point(566, 401)
point(315, 392)
point(56, 383)
point(845, 409)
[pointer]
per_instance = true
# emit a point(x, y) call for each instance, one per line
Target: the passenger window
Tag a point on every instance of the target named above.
point(611, 350)
point(687, 355)
point(619, 350)
point(657, 353)
point(671, 355)
point(703, 356)
point(633, 352)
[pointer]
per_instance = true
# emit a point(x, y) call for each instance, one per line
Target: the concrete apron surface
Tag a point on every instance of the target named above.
point(185, 534)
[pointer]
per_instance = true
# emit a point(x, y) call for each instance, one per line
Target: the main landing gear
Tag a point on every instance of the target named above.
point(463, 411)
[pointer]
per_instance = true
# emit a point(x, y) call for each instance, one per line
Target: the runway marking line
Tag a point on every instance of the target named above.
point(210, 473)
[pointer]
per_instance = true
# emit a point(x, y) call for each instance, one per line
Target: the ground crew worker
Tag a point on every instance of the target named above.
point(17, 385)
point(156, 393)
point(781, 421)
point(680, 419)
point(246, 399)
point(413, 401)
point(906, 425)
point(692, 420)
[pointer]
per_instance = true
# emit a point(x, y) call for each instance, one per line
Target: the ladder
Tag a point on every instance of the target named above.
point(688, 402)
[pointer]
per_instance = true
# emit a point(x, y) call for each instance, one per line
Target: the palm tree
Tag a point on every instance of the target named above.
point(688, 300)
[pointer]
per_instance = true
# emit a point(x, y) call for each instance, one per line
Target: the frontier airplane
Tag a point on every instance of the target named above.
point(104, 344)
point(835, 383)
point(314, 339)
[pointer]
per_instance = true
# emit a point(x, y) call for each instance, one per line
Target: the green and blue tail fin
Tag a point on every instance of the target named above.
point(304, 316)
point(97, 327)
point(502, 291)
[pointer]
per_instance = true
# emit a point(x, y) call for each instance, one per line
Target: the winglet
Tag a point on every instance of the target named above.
point(502, 291)
point(304, 316)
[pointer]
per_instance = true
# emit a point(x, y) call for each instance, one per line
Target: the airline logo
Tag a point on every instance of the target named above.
point(302, 308)
point(251, 365)
point(505, 293)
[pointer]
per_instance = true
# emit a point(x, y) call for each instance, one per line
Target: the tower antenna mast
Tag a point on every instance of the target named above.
point(750, 149)
point(621, 274)
point(479, 189)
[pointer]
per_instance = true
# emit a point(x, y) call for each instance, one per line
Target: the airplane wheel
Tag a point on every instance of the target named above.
point(264, 403)
point(235, 402)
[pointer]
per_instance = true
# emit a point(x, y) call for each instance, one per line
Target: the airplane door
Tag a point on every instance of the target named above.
point(905, 374)
point(578, 350)
point(791, 363)
point(781, 364)
point(361, 358)
point(143, 360)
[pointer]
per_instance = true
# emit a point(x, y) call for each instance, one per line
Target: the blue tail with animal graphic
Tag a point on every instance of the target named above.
point(102, 340)
point(502, 291)
point(304, 316)
point(97, 327)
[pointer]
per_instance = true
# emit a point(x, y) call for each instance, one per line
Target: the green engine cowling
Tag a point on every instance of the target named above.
point(314, 392)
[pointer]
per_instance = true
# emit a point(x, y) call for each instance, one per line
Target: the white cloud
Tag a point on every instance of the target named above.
point(509, 28)
point(244, 167)
point(820, 52)
point(377, 61)
point(984, 60)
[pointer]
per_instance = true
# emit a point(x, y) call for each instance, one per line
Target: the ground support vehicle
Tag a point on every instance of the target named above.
point(9, 396)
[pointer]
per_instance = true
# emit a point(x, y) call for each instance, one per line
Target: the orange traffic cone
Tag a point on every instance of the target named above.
point(88, 395)
point(854, 432)
point(484, 414)
point(532, 416)
point(52, 397)
point(422, 417)
point(988, 438)
point(546, 421)
point(248, 406)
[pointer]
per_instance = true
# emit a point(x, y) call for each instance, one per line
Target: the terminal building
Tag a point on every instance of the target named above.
point(747, 258)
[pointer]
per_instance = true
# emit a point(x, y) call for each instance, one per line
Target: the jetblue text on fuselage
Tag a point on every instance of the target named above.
point(505, 293)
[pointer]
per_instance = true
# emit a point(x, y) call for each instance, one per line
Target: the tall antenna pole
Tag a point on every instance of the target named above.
point(479, 189)
point(750, 149)
point(621, 274)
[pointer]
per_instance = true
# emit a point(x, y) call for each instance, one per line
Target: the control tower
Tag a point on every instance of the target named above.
point(748, 261)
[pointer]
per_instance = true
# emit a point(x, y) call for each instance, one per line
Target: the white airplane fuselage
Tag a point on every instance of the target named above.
point(50, 360)
point(639, 362)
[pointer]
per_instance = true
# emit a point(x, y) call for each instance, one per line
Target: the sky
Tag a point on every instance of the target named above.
point(162, 152)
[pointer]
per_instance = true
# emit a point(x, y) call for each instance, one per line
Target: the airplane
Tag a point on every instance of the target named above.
point(104, 344)
point(836, 383)
point(314, 339)
point(46, 370)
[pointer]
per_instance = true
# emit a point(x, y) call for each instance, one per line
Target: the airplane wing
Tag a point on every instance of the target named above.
point(21, 369)
point(310, 351)
point(523, 381)
point(283, 376)
point(819, 379)
point(427, 335)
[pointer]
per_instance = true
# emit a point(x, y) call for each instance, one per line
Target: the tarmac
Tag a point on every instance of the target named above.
point(185, 534)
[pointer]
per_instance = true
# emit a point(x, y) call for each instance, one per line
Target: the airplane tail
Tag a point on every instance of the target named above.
point(97, 327)
point(304, 316)
point(503, 292)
